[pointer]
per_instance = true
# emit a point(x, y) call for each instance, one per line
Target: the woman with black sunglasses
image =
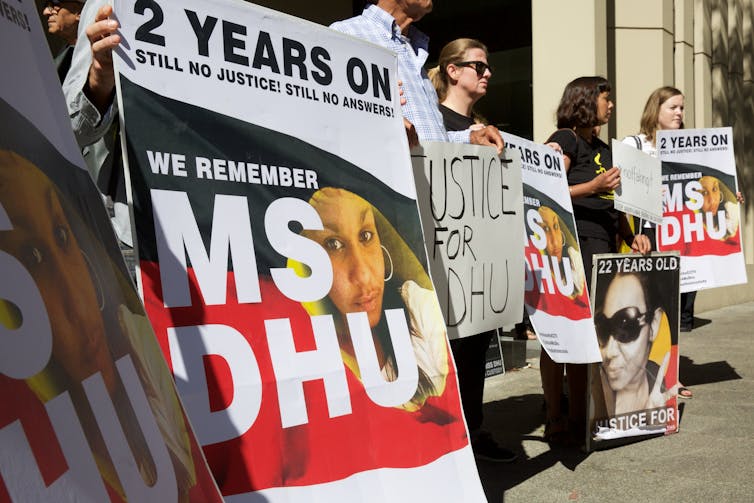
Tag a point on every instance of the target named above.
point(584, 108)
point(627, 323)
point(461, 79)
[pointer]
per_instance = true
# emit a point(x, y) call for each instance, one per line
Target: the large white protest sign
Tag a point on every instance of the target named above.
point(702, 215)
point(556, 293)
point(89, 411)
point(640, 191)
point(470, 201)
point(282, 259)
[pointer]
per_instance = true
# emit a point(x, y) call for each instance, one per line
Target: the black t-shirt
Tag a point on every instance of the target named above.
point(595, 215)
point(454, 121)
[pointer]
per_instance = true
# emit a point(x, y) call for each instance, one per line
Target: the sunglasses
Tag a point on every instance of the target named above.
point(624, 326)
point(479, 66)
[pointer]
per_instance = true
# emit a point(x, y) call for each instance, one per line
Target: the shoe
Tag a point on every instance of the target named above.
point(687, 328)
point(684, 392)
point(485, 447)
point(556, 431)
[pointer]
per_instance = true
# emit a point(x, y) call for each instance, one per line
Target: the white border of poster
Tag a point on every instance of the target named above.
point(556, 295)
point(706, 231)
point(90, 409)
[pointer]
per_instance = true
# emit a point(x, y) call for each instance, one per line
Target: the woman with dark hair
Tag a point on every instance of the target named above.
point(584, 107)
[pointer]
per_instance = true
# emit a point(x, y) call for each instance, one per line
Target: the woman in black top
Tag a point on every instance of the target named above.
point(461, 79)
point(592, 179)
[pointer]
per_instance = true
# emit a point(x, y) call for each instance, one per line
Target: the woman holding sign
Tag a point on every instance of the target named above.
point(461, 79)
point(584, 106)
point(664, 110)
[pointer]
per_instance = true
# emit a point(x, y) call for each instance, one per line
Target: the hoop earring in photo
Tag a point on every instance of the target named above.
point(389, 260)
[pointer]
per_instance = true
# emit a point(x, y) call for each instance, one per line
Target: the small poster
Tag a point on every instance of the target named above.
point(640, 190)
point(702, 216)
point(634, 388)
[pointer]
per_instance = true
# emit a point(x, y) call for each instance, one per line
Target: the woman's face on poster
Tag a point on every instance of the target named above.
point(351, 240)
point(43, 241)
point(624, 330)
point(711, 194)
point(553, 232)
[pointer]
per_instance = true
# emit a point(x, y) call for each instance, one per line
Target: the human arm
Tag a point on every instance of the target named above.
point(488, 135)
point(606, 181)
point(639, 243)
point(89, 87)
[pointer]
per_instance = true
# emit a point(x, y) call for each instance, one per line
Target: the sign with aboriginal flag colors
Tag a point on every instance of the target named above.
point(701, 218)
point(89, 407)
point(281, 256)
point(470, 202)
point(555, 289)
point(634, 389)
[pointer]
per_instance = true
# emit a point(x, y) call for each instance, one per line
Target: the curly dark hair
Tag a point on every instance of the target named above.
point(578, 106)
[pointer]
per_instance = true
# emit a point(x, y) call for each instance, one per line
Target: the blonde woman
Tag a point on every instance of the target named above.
point(461, 79)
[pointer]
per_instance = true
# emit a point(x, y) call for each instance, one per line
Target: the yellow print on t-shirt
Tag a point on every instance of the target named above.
point(601, 169)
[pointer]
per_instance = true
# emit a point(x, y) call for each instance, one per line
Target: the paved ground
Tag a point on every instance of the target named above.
point(710, 459)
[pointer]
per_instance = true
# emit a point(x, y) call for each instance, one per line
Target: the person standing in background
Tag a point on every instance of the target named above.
point(89, 90)
point(592, 179)
point(461, 79)
point(389, 24)
point(63, 22)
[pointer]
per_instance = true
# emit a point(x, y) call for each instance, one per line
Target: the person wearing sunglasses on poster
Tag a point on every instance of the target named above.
point(460, 79)
point(627, 323)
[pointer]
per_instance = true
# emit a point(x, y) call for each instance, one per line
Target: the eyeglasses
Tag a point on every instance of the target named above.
point(57, 4)
point(624, 325)
point(479, 66)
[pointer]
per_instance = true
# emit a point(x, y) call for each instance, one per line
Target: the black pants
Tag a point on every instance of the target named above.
point(687, 309)
point(469, 354)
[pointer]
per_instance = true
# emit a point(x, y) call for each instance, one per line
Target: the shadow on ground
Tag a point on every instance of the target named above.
point(706, 373)
point(511, 421)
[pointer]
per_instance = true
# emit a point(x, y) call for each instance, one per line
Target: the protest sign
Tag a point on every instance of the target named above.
point(640, 190)
point(702, 216)
point(90, 410)
point(633, 390)
point(281, 256)
point(471, 210)
point(556, 296)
